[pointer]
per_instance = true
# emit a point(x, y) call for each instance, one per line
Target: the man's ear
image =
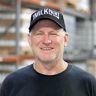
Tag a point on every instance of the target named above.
point(29, 39)
point(66, 39)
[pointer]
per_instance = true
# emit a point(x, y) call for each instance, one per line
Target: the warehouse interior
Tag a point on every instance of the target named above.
point(80, 20)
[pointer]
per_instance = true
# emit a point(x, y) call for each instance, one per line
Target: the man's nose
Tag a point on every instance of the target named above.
point(47, 39)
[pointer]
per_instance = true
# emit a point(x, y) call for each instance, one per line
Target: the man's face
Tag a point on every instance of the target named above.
point(47, 40)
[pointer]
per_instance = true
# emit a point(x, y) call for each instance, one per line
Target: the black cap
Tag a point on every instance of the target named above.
point(47, 13)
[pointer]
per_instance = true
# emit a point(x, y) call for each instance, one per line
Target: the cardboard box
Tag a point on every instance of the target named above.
point(70, 3)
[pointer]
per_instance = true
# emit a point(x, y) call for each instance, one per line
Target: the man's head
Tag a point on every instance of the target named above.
point(47, 39)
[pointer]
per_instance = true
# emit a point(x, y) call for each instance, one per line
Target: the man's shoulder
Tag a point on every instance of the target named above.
point(16, 80)
point(82, 74)
point(19, 74)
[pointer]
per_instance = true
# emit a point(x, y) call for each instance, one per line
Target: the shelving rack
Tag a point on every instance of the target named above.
point(35, 4)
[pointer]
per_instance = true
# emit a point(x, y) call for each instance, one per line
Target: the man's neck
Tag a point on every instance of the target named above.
point(50, 69)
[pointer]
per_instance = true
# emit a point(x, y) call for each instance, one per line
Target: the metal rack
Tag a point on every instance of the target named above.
point(37, 4)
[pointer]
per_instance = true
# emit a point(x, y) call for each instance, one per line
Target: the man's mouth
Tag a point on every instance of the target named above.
point(47, 48)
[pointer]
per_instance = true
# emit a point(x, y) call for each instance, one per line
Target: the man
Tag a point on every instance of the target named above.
point(49, 75)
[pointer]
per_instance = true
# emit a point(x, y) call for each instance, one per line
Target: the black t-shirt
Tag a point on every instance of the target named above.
point(27, 82)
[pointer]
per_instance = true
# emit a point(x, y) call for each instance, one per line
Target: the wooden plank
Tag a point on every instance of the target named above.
point(38, 3)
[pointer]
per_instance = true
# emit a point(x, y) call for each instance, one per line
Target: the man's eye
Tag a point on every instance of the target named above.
point(53, 34)
point(38, 33)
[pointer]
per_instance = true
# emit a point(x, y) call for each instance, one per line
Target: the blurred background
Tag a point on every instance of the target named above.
point(80, 19)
